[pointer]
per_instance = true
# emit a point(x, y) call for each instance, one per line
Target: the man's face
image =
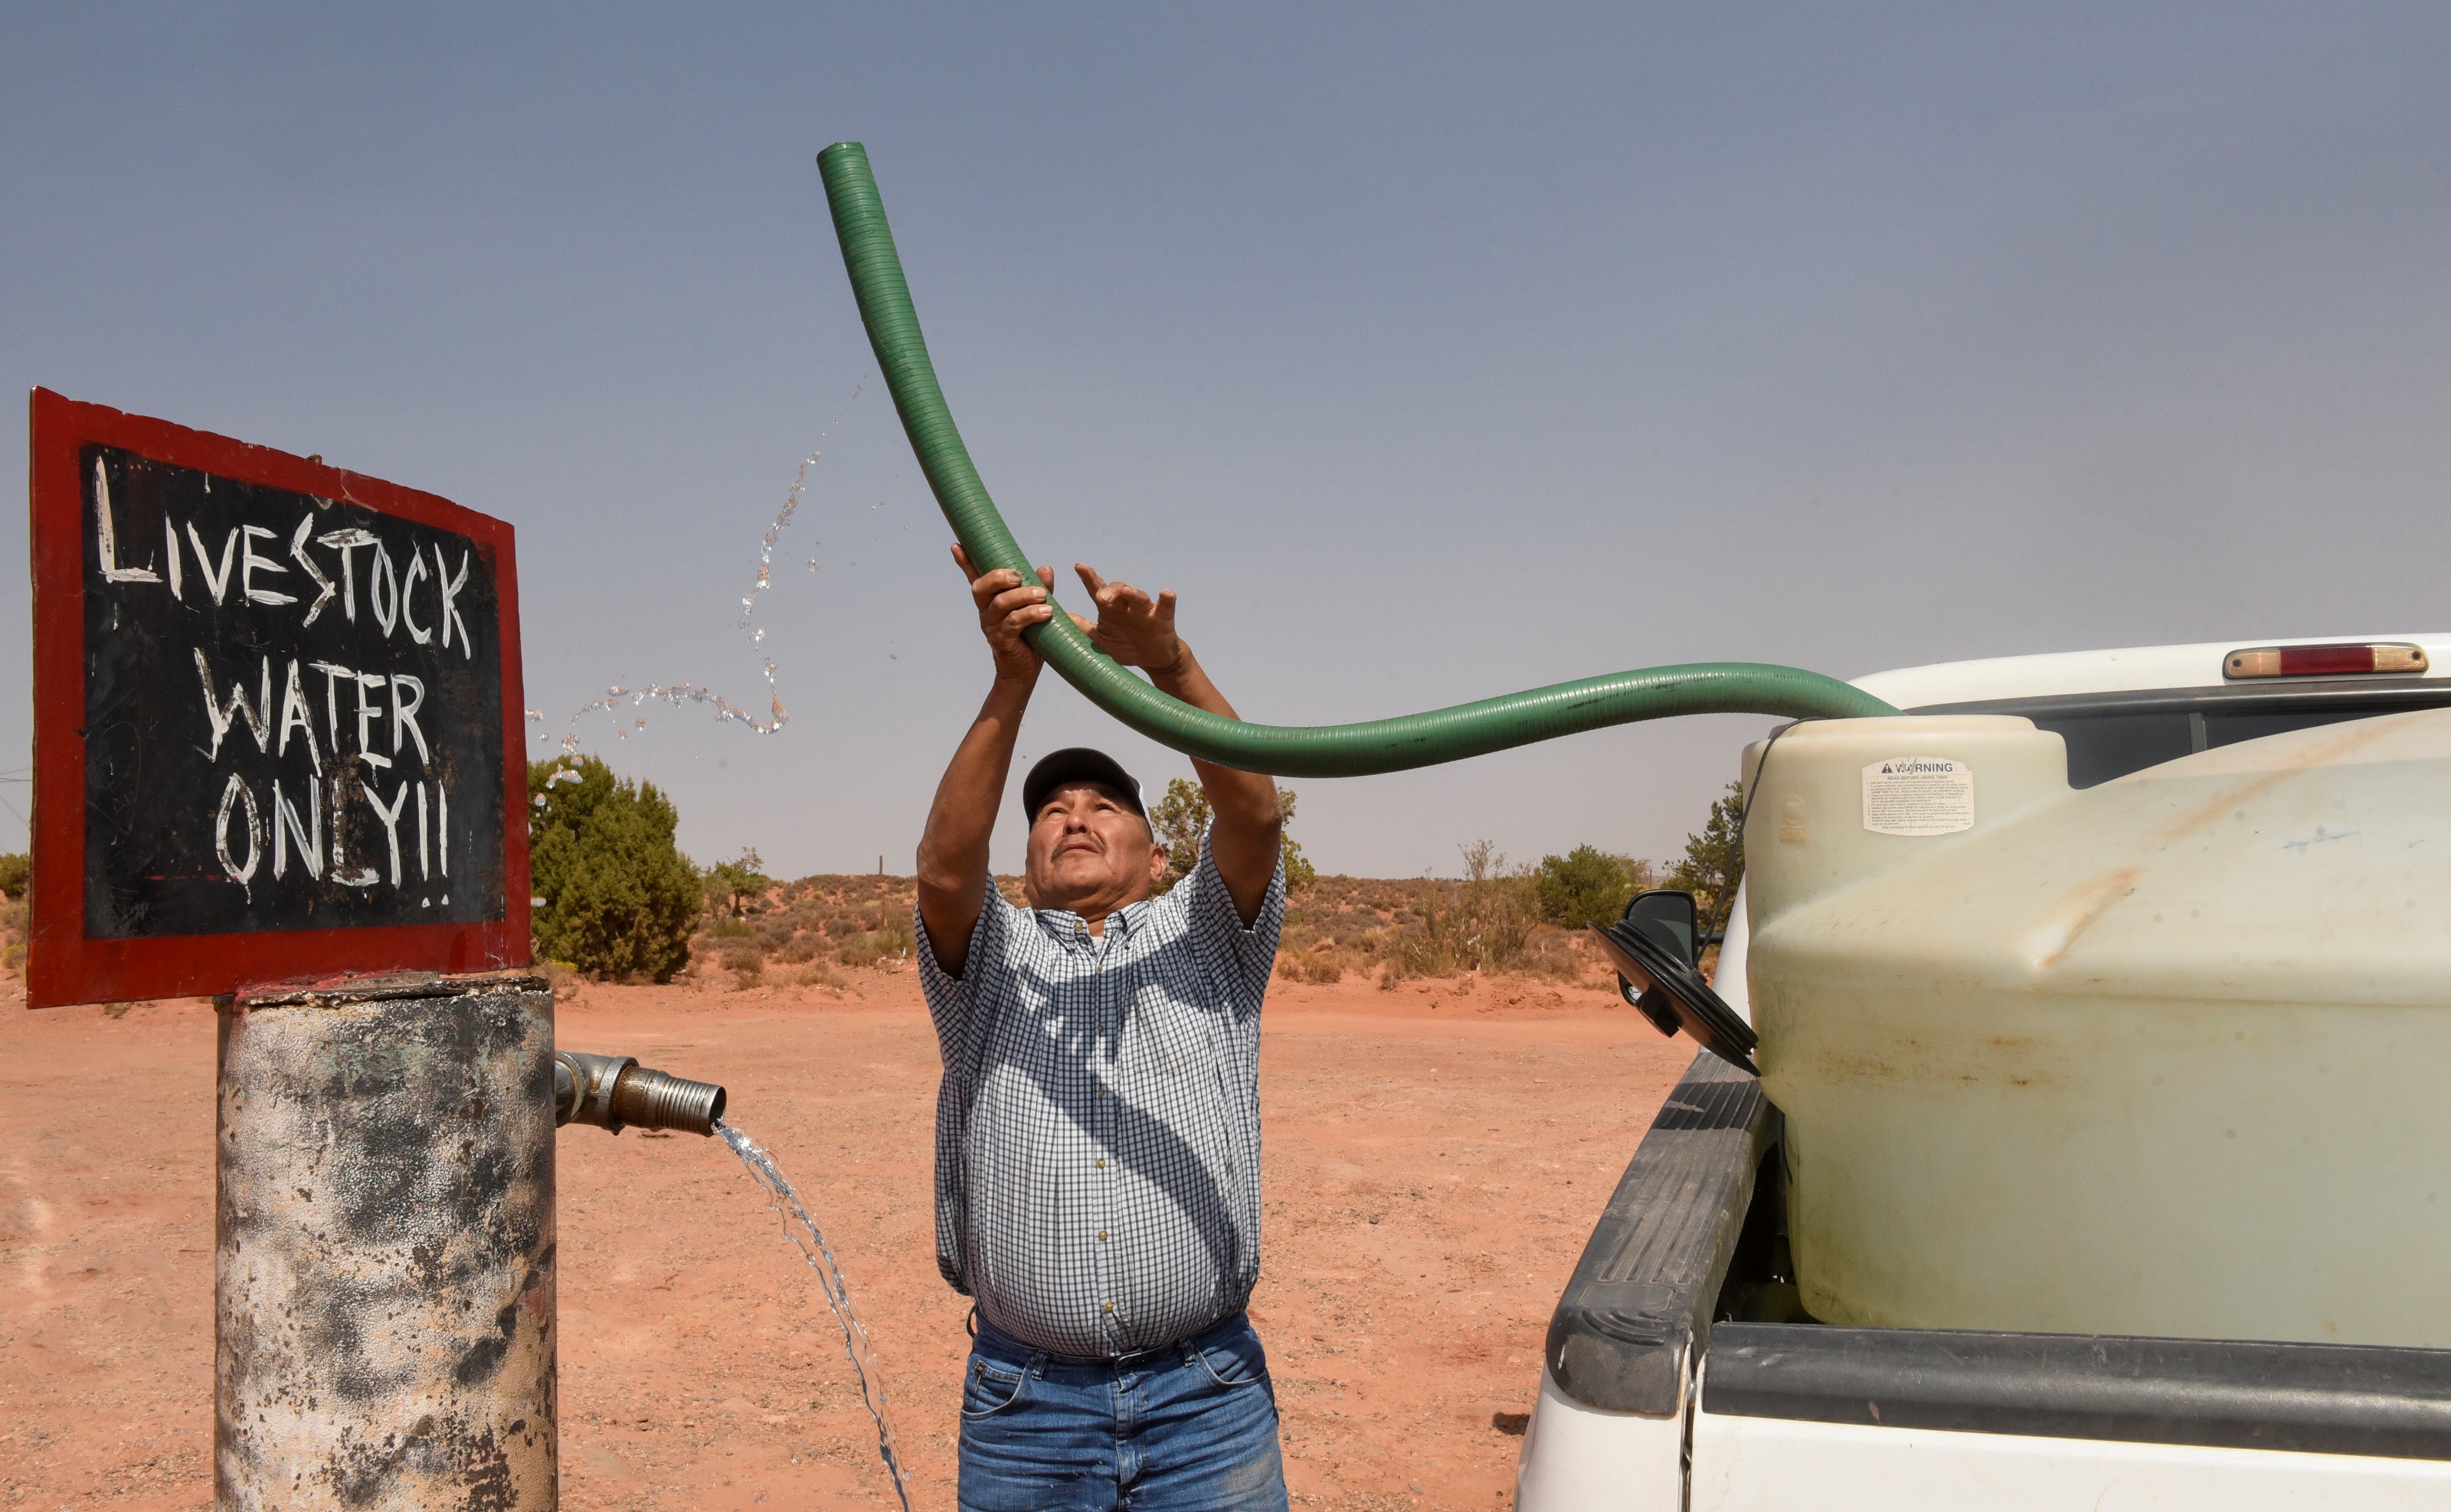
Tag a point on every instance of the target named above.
point(1089, 852)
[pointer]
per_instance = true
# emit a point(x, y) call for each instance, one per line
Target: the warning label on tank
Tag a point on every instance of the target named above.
point(1918, 795)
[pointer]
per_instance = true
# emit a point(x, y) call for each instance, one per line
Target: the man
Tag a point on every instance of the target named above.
point(1098, 1126)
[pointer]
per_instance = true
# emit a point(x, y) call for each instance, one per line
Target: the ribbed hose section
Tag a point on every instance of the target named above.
point(1317, 751)
point(651, 1099)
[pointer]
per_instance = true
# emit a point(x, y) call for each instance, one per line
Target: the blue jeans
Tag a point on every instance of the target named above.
point(1189, 1426)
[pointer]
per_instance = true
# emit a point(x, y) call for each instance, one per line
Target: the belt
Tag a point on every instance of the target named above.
point(975, 1322)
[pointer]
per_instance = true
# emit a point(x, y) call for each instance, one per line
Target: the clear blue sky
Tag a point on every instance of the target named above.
point(1429, 353)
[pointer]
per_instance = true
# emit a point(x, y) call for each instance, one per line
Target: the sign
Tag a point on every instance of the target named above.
point(277, 719)
point(1918, 795)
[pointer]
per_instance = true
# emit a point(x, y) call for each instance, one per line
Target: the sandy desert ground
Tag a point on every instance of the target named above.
point(1436, 1156)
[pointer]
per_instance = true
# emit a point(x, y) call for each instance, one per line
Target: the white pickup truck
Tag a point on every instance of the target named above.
point(1682, 1372)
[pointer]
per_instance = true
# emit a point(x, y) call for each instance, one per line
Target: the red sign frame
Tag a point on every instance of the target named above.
point(64, 965)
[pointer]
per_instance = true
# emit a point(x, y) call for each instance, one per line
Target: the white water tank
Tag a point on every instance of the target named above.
point(2170, 1056)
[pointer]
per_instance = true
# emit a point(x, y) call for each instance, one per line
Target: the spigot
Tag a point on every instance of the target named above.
point(614, 1091)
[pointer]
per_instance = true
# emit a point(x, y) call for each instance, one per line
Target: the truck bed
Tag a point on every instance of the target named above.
point(1680, 1371)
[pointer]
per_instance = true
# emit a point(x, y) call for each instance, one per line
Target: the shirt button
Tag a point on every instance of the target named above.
point(1101, 1236)
point(1109, 1307)
point(1101, 1161)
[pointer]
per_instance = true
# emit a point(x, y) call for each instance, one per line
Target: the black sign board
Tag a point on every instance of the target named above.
point(287, 700)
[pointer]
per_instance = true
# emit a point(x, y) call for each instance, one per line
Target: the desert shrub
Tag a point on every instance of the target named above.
point(1586, 885)
point(821, 975)
point(12, 935)
point(1181, 817)
point(1550, 952)
point(816, 923)
point(745, 961)
point(1482, 923)
point(889, 939)
point(568, 985)
point(16, 870)
point(730, 885)
point(1322, 968)
point(1473, 927)
point(619, 898)
point(894, 934)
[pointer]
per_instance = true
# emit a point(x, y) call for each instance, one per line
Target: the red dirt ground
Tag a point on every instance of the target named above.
point(1435, 1157)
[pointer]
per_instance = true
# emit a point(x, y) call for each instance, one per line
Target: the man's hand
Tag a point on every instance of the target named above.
point(1131, 627)
point(1008, 606)
point(954, 848)
point(1139, 631)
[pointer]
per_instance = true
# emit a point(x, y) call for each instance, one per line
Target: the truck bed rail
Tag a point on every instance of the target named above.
point(2312, 1397)
point(1639, 1304)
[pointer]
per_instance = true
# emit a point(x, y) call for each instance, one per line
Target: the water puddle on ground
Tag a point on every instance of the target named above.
point(786, 1203)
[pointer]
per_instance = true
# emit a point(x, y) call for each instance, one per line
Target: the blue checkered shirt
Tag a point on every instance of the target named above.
point(1098, 1125)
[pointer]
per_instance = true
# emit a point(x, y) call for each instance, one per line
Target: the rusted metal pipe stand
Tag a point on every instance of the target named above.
point(383, 1270)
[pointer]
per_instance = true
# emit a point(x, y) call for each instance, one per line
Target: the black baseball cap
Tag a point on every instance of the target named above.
point(1077, 763)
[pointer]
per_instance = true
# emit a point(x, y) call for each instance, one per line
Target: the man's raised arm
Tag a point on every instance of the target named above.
point(954, 848)
point(1247, 825)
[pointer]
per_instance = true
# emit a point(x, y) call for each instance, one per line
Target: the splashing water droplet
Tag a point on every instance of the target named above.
point(725, 711)
point(785, 1200)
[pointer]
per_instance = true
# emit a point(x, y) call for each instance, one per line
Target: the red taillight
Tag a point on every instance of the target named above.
point(2325, 661)
point(2316, 661)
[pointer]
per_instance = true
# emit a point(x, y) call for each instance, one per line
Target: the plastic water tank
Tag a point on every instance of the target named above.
point(2170, 1056)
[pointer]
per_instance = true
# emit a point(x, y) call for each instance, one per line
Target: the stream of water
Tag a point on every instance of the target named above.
point(786, 1203)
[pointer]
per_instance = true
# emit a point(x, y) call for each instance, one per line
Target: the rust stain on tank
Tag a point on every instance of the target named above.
point(2077, 911)
point(2363, 733)
point(1971, 1060)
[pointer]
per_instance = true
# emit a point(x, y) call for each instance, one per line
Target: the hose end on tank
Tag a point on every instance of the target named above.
point(615, 1092)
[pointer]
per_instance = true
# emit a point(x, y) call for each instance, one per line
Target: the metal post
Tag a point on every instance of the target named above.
point(384, 1269)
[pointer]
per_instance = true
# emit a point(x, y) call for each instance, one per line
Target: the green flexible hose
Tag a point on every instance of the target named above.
point(1317, 751)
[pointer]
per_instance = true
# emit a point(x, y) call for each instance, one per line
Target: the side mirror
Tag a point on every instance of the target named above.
point(1674, 912)
point(1653, 947)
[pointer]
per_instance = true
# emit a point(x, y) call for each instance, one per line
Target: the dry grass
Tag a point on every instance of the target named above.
point(12, 935)
point(569, 984)
point(822, 976)
point(805, 932)
point(805, 929)
point(1398, 929)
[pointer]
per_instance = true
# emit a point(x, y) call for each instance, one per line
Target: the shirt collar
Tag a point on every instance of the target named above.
point(1072, 930)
